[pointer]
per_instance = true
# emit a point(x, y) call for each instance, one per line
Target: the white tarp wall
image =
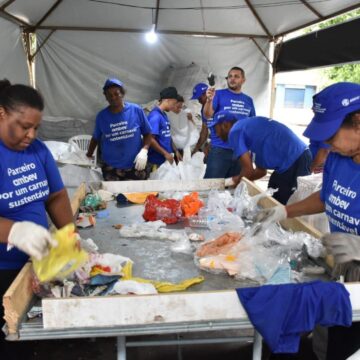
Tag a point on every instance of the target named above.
point(72, 67)
point(12, 55)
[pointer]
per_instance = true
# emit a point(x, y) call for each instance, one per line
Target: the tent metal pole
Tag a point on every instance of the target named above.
point(27, 38)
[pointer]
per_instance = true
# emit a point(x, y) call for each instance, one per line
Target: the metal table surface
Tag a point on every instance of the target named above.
point(153, 259)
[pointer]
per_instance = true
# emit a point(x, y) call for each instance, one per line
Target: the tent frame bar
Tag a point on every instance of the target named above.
point(166, 32)
point(258, 18)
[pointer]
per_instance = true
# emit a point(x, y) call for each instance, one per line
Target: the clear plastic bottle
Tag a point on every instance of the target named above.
point(200, 221)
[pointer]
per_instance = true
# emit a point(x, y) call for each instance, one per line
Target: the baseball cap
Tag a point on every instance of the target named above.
point(198, 90)
point(331, 106)
point(223, 116)
point(112, 82)
point(169, 93)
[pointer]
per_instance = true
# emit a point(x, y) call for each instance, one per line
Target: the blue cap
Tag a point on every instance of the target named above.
point(198, 90)
point(223, 116)
point(331, 106)
point(112, 82)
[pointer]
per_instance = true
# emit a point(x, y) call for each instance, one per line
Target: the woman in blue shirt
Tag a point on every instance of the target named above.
point(336, 122)
point(124, 134)
point(30, 188)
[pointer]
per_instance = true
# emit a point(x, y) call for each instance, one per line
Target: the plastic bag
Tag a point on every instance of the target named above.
point(183, 131)
point(63, 259)
point(219, 218)
point(152, 230)
point(191, 168)
point(245, 205)
point(166, 171)
point(169, 210)
point(191, 204)
point(307, 185)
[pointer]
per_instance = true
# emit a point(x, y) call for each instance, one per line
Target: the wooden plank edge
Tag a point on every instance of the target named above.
point(17, 298)
point(117, 187)
point(77, 198)
point(155, 309)
point(19, 295)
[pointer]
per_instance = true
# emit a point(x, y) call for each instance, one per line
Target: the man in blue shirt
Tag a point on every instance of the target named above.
point(124, 134)
point(271, 145)
point(162, 146)
point(220, 161)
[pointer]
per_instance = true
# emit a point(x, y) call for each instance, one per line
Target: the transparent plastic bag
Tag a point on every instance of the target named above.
point(244, 205)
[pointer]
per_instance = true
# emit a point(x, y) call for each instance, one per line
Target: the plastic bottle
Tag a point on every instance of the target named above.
point(200, 221)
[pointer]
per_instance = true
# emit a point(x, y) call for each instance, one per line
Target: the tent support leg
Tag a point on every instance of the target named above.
point(257, 347)
point(121, 348)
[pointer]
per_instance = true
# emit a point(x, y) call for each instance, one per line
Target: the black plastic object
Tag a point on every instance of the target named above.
point(121, 199)
point(211, 79)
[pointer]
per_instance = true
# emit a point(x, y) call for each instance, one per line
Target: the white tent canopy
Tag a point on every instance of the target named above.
point(82, 42)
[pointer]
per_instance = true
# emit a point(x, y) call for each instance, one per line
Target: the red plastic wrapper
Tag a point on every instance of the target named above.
point(169, 210)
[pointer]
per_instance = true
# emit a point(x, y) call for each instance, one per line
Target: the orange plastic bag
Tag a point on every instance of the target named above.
point(191, 204)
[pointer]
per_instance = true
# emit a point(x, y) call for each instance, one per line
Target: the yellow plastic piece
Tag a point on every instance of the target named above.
point(63, 259)
point(138, 198)
point(161, 286)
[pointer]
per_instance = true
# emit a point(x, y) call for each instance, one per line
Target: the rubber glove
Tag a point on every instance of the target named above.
point(229, 182)
point(271, 215)
point(31, 238)
point(141, 159)
point(345, 247)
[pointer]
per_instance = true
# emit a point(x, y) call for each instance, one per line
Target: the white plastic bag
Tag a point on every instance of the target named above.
point(307, 185)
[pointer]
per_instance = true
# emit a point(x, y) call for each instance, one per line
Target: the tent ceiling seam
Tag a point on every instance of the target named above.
point(6, 4)
point(311, 8)
point(13, 18)
point(157, 14)
point(47, 14)
point(258, 18)
point(340, 12)
point(261, 50)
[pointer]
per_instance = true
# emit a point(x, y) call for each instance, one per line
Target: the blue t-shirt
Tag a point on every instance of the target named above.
point(160, 128)
point(315, 146)
point(272, 144)
point(120, 135)
point(215, 140)
point(341, 193)
point(281, 313)
point(27, 179)
point(239, 104)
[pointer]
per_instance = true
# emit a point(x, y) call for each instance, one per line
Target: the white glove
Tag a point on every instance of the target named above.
point(229, 182)
point(345, 247)
point(141, 159)
point(31, 238)
point(271, 215)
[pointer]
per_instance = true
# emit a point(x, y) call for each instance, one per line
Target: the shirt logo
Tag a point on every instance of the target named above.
point(345, 102)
